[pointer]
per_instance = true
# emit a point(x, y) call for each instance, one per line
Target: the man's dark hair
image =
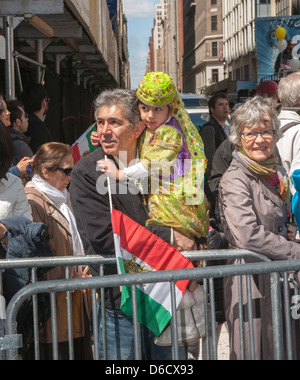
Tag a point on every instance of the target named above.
point(213, 100)
point(6, 150)
point(14, 108)
point(33, 96)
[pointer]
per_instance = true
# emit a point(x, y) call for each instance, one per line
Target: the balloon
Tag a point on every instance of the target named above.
point(282, 45)
point(280, 33)
point(295, 51)
point(294, 64)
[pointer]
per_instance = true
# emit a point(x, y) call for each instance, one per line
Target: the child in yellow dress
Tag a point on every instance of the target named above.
point(172, 155)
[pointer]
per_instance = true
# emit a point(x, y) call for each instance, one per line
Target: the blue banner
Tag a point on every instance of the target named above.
point(266, 44)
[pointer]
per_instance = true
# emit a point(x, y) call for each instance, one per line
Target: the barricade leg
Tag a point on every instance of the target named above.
point(70, 321)
point(174, 331)
point(96, 326)
point(136, 325)
point(2, 324)
point(277, 317)
point(287, 317)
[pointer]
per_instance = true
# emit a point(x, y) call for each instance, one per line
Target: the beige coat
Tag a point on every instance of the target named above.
point(44, 210)
point(254, 218)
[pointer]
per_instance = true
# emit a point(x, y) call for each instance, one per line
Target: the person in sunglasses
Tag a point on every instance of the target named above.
point(50, 203)
point(255, 210)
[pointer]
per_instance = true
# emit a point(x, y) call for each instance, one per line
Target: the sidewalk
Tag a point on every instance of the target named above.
point(223, 348)
point(195, 350)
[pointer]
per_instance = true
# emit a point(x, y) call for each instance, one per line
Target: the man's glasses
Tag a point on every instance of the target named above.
point(251, 136)
point(66, 171)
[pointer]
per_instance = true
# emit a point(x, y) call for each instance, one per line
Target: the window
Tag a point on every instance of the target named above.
point(215, 75)
point(214, 23)
point(214, 49)
point(263, 8)
point(214, 2)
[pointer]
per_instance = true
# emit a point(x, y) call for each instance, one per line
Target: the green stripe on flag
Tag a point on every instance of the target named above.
point(88, 137)
point(150, 313)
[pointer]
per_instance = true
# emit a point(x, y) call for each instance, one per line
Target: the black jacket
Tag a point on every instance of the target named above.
point(212, 134)
point(21, 146)
point(92, 212)
point(221, 162)
point(38, 132)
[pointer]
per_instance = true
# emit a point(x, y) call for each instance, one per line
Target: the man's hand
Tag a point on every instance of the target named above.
point(183, 243)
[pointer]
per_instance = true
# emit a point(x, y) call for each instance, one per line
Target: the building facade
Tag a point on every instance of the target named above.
point(210, 46)
point(203, 45)
point(161, 15)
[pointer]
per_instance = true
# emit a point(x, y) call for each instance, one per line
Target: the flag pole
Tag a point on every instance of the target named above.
point(109, 190)
point(103, 311)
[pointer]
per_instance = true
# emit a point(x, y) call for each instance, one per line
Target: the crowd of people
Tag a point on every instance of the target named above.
point(242, 192)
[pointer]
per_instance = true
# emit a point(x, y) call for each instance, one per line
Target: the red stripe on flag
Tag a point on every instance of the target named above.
point(148, 247)
point(76, 153)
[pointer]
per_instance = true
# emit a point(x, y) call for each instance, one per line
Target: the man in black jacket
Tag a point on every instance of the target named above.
point(213, 133)
point(36, 103)
point(118, 128)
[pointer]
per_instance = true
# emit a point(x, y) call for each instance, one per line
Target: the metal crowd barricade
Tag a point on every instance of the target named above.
point(10, 342)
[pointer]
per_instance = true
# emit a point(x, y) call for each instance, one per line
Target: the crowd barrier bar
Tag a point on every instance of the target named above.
point(102, 282)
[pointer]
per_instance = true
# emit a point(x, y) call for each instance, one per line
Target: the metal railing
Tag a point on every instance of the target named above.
point(10, 341)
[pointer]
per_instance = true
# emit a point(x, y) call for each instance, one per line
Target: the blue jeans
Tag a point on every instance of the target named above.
point(120, 340)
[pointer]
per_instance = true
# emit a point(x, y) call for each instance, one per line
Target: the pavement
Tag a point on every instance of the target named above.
point(195, 350)
point(223, 347)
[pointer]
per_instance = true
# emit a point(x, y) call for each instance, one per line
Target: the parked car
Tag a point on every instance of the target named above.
point(199, 116)
point(194, 100)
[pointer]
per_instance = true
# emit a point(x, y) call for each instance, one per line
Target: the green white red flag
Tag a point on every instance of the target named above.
point(139, 250)
point(83, 145)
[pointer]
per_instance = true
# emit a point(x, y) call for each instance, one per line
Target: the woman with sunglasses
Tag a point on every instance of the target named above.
point(50, 202)
point(254, 200)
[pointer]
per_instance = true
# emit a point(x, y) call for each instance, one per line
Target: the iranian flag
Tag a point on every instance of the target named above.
point(139, 250)
point(83, 145)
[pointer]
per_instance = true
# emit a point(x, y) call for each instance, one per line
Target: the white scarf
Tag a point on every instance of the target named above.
point(59, 198)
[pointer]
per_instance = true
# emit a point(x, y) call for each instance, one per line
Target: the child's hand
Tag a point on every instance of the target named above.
point(95, 139)
point(109, 168)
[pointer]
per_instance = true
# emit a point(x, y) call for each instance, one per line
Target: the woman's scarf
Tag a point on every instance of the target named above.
point(267, 169)
point(59, 198)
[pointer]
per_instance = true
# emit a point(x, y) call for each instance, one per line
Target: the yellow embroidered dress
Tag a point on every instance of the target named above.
point(173, 156)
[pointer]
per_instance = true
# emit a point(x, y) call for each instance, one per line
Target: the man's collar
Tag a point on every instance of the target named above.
point(217, 121)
